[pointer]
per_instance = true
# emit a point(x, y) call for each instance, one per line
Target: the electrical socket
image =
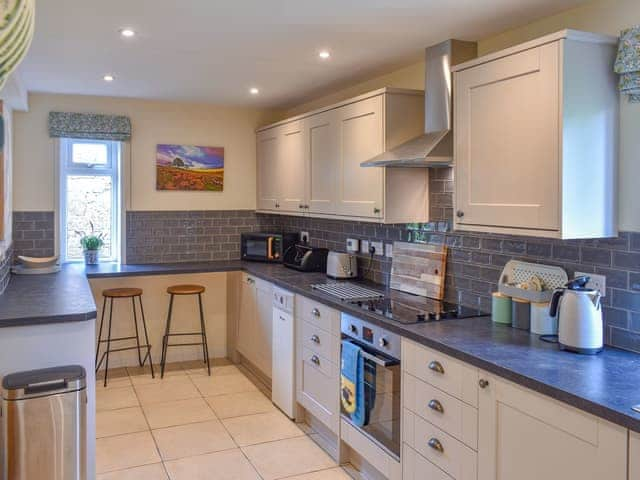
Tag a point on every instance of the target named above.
point(379, 246)
point(353, 245)
point(597, 282)
point(388, 250)
point(304, 237)
point(364, 247)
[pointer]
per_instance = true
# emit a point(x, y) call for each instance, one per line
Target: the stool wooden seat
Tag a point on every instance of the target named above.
point(188, 289)
point(122, 292)
point(185, 289)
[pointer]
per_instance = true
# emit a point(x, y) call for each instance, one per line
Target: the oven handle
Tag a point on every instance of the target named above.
point(378, 359)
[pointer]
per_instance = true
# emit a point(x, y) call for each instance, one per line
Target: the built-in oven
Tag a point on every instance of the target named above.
point(380, 351)
point(266, 247)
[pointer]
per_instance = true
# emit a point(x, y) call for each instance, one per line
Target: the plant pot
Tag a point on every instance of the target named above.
point(91, 257)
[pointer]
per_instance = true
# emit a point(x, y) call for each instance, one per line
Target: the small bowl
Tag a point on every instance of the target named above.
point(37, 262)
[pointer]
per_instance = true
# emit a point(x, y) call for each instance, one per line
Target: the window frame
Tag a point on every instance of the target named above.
point(112, 169)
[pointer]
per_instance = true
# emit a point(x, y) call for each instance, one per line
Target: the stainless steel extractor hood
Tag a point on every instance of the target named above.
point(435, 147)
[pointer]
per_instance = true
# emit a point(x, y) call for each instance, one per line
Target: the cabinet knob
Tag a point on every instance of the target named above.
point(459, 214)
point(315, 312)
point(315, 339)
point(436, 445)
point(435, 405)
point(376, 210)
point(483, 383)
point(436, 367)
point(277, 205)
point(315, 360)
point(300, 206)
point(307, 207)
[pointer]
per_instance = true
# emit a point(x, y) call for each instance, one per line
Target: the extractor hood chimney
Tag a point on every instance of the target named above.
point(435, 147)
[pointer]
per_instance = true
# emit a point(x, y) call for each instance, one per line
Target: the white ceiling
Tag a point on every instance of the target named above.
point(214, 50)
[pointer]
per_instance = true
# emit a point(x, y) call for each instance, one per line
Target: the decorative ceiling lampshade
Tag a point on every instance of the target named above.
point(628, 63)
point(17, 21)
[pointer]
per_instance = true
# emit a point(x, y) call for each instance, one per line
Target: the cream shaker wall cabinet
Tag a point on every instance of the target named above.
point(536, 139)
point(310, 165)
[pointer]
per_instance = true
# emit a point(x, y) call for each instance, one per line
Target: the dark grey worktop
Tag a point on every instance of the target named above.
point(605, 385)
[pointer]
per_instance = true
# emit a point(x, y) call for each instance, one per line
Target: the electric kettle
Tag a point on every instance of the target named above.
point(579, 317)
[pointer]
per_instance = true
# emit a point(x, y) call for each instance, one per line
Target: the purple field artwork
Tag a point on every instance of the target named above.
point(189, 167)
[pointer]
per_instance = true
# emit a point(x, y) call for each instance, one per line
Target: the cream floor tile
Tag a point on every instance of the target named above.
point(262, 427)
point(336, 473)
point(216, 371)
point(111, 398)
point(148, 472)
point(275, 459)
point(192, 439)
point(179, 412)
point(226, 465)
point(142, 376)
point(118, 377)
point(171, 389)
point(238, 404)
point(118, 422)
point(222, 384)
point(125, 451)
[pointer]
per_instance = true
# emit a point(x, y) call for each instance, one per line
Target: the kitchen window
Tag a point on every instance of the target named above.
point(89, 196)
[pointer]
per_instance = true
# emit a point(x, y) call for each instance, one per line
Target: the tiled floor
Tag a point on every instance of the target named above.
point(189, 426)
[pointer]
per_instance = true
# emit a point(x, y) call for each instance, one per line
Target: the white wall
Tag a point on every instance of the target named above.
point(153, 122)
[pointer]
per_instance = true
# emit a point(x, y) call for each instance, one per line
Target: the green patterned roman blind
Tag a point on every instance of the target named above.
point(628, 63)
point(89, 126)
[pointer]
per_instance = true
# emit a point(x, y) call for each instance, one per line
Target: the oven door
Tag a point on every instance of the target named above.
point(382, 399)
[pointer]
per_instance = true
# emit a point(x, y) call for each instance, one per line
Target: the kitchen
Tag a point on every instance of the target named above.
point(356, 272)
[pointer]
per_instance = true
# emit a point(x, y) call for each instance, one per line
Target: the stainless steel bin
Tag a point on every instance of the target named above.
point(44, 424)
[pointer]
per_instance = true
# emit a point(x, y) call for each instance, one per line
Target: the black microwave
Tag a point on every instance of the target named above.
point(266, 247)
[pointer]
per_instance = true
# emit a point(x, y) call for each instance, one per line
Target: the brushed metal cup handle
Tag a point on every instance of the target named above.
point(315, 339)
point(315, 312)
point(435, 405)
point(436, 445)
point(376, 210)
point(483, 383)
point(315, 360)
point(436, 366)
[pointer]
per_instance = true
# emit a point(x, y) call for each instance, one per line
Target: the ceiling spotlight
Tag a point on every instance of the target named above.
point(254, 91)
point(324, 54)
point(127, 33)
point(108, 78)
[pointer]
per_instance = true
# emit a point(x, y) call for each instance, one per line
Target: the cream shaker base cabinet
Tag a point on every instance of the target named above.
point(536, 139)
point(527, 436)
point(254, 340)
point(310, 165)
point(634, 456)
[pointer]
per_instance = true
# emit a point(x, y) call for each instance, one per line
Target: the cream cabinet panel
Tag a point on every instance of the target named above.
point(322, 133)
point(528, 436)
point(247, 315)
point(634, 456)
point(268, 183)
point(531, 155)
point(263, 324)
point(292, 168)
point(361, 137)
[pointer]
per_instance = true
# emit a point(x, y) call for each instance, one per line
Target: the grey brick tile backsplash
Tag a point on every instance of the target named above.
point(33, 234)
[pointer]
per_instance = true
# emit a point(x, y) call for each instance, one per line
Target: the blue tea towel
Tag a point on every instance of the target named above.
point(352, 382)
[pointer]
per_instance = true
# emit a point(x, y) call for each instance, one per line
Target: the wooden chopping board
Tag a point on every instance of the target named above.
point(419, 269)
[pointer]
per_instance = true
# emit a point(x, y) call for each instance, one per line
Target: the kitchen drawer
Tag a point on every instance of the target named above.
point(318, 314)
point(320, 341)
point(416, 467)
point(448, 374)
point(455, 458)
point(326, 366)
point(441, 409)
point(318, 391)
point(372, 453)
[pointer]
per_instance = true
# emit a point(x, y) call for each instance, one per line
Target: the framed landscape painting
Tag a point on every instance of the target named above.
point(189, 167)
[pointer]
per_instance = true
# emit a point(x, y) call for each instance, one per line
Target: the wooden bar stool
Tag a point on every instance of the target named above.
point(111, 294)
point(184, 290)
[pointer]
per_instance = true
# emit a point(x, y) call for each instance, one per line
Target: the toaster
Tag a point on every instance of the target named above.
point(342, 265)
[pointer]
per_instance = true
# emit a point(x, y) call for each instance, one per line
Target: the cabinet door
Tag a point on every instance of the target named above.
point(264, 322)
point(527, 436)
point(507, 164)
point(292, 168)
point(322, 134)
point(267, 154)
point(246, 318)
point(634, 456)
point(360, 137)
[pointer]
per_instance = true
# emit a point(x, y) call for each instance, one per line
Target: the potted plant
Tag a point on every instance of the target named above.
point(91, 245)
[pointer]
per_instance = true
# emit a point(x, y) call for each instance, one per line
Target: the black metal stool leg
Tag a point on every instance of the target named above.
point(165, 340)
point(106, 368)
point(146, 339)
point(135, 323)
point(104, 305)
point(205, 346)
